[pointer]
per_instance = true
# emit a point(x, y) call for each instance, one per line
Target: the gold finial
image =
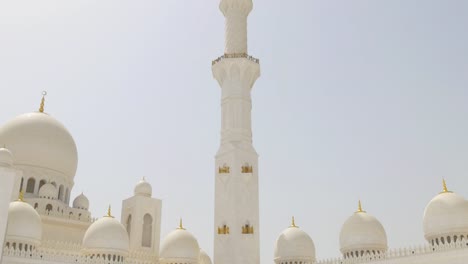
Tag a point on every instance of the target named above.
point(109, 212)
point(41, 108)
point(359, 210)
point(21, 196)
point(444, 187)
point(293, 223)
point(180, 224)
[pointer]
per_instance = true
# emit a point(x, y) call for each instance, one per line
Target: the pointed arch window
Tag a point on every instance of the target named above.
point(129, 224)
point(147, 231)
point(61, 194)
point(42, 182)
point(30, 185)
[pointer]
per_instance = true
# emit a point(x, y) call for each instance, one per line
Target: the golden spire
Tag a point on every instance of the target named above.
point(180, 224)
point(41, 108)
point(293, 223)
point(109, 212)
point(21, 196)
point(359, 210)
point(444, 187)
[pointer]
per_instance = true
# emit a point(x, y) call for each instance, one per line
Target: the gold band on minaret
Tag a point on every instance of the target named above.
point(41, 107)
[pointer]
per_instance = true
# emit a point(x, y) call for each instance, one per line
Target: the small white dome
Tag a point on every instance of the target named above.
point(294, 244)
point(39, 140)
point(48, 191)
point(180, 244)
point(143, 188)
point(364, 234)
point(204, 258)
point(81, 202)
point(6, 158)
point(445, 215)
point(106, 236)
point(24, 224)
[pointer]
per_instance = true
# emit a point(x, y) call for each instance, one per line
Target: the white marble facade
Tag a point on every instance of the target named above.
point(40, 224)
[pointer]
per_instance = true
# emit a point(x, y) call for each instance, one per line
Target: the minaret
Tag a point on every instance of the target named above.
point(236, 239)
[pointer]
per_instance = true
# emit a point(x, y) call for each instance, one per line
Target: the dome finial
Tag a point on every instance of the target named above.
point(444, 187)
point(293, 223)
point(21, 196)
point(180, 224)
point(41, 108)
point(109, 212)
point(359, 210)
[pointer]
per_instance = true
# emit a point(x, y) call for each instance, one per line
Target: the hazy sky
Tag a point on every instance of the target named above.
point(357, 99)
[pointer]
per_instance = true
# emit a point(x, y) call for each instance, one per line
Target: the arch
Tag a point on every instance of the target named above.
point(36, 205)
point(129, 224)
point(60, 193)
point(448, 240)
point(42, 182)
point(30, 185)
point(48, 207)
point(146, 237)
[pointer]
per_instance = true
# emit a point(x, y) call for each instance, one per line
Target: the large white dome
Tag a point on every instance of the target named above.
point(180, 244)
point(446, 215)
point(362, 234)
point(294, 244)
point(6, 158)
point(24, 224)
point(106, 236)
point(37, 139)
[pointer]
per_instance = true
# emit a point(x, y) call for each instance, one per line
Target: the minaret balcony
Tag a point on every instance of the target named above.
point(236, 56)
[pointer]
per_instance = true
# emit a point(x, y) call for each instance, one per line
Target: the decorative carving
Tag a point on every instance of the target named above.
point(224, 230)
point(247, 229)
point(247, 169)
point(224, 169)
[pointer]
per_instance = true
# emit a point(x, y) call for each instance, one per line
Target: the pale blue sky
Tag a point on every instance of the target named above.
point(357, 99)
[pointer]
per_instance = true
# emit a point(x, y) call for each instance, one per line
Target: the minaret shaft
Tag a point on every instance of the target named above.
point(236, 33)
point(236, 178)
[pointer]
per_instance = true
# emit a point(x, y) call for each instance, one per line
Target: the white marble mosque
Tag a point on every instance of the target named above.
point(39, 224)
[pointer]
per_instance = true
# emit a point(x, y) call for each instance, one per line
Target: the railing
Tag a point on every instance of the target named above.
point(234, 56)
point(67, 252)
point(399, 253)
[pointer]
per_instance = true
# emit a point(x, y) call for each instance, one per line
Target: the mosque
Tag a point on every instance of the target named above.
point(39, 224)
